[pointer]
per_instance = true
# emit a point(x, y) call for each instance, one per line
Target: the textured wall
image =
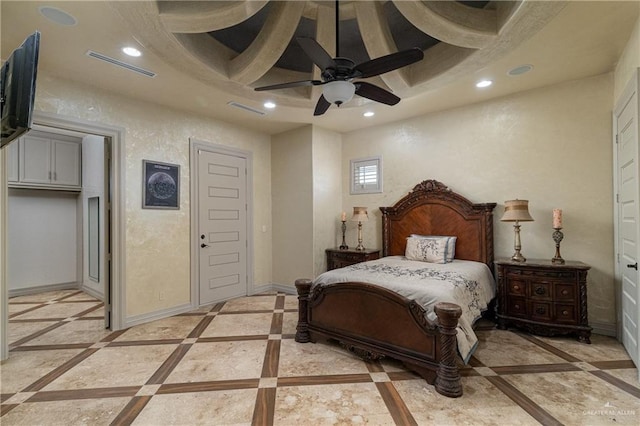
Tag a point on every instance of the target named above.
point(327, 195)
point(157, 241)
point(292, 198)
point(551, 146)
point(629, 61)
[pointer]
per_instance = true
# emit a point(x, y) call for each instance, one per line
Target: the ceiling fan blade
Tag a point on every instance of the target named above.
point(290, 84)
point(388, 63)
point(375, 93)
point(316, 53)
point(322, 106)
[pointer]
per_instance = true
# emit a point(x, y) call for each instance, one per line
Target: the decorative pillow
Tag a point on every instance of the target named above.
point(451, 244)
point(433, 250)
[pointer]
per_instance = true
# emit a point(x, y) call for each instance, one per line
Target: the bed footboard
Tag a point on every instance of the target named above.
point(359, 316)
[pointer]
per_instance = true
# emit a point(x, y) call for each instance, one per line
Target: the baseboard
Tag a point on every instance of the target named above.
point(156, 315)
point(270, 288)
point(43, 289)
point(92, 292)
point(282, 288)
point(605, 329)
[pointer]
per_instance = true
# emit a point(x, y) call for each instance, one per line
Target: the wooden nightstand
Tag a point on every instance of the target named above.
point(337, 258)
point(543, 298)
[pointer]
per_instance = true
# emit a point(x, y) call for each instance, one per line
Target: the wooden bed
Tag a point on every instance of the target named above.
point(374, 322)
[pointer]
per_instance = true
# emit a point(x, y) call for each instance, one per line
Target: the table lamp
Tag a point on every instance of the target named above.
point(517, 211)
point(360, 215)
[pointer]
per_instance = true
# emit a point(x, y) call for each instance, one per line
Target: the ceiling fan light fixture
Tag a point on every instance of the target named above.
point(338, 92)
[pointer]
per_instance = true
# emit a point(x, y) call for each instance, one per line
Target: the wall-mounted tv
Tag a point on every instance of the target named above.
point(18, 89)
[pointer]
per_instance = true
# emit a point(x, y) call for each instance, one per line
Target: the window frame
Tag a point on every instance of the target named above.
point(358, 163)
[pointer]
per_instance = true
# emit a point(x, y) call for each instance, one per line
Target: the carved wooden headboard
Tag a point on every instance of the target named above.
point(431, 208)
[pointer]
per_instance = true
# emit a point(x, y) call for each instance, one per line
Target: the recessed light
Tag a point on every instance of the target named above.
point(269, 105)
point(521, 69)
point(131, 51)
point(369, 114)
point(484, 83)
point(58, 16)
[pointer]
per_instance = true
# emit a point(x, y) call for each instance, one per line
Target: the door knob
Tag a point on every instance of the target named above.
point(203, 245)
point(633, 265)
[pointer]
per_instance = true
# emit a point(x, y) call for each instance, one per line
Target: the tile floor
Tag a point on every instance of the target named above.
point(237, 363)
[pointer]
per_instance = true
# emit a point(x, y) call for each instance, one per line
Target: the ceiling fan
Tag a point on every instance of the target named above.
point(338, 73)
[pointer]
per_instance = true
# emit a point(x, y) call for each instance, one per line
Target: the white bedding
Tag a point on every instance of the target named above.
point(467, 284)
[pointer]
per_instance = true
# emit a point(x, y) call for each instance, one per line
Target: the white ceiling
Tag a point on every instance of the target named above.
point(584, 39)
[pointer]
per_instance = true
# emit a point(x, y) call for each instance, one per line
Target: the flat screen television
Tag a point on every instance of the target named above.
point(18, 89)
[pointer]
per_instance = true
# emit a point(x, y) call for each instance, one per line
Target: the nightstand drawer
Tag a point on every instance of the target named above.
point(542, 273)
point(565, 292)
point(517, 306)
point(540, 290)
point(540, 311)
point(566, 314)
point(517, 287)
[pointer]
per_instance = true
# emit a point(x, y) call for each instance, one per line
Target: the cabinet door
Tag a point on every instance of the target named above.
point(65, 163)
point(12, 161)
point(35, 160)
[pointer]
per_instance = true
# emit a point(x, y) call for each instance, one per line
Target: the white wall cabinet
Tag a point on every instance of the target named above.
point(12, 161)
point(47, 162)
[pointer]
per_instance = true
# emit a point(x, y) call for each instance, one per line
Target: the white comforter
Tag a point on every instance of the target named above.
point(467, 284)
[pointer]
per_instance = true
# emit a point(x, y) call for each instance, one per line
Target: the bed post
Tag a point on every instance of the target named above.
point(303, 286)
point(448, 377)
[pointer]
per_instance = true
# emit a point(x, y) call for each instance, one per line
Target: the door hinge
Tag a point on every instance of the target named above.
point(616, 138)
point(618, 256)
point(617, 198)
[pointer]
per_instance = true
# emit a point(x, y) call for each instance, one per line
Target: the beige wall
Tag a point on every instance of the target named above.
point(4, 348)
point(292, 200)
point(327, 195)
point(629, 61)
point(157, 241)
point(551, 146)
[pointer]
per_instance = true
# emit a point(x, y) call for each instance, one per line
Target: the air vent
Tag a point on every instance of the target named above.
point(116, 62)
point(246, 108)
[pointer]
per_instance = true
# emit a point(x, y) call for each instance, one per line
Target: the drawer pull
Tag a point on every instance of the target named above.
point(516, 307)
point(540, 310)
point(539, 290)
point(565, 313)
point(515, 287)
point(565, 292)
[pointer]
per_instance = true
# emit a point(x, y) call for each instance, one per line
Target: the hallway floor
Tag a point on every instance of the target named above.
point(237, 363)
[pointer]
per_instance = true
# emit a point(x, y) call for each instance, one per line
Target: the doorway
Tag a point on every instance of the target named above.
point(221, 223)
point(112, 209)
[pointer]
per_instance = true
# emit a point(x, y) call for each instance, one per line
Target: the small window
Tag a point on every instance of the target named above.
point(366, 175)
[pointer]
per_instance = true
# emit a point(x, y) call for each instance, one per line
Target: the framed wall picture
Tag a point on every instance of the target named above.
point(160, 185)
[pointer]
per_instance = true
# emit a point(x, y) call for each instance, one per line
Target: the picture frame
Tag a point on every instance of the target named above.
point(160, 185)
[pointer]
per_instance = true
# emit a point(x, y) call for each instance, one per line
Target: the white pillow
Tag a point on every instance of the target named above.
point(432, 250)
point(451, 244)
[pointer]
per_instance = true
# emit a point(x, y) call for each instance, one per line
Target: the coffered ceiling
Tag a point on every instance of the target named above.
point(207, 54)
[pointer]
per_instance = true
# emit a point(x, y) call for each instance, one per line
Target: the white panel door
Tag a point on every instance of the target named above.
point(222, 221)
point(628, 217)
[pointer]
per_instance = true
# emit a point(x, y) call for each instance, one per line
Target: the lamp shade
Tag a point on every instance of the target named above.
point(516, 211)
point(360, 214)
point(338, 92)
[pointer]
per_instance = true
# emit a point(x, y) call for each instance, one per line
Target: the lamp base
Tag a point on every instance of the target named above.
point(518, 257)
